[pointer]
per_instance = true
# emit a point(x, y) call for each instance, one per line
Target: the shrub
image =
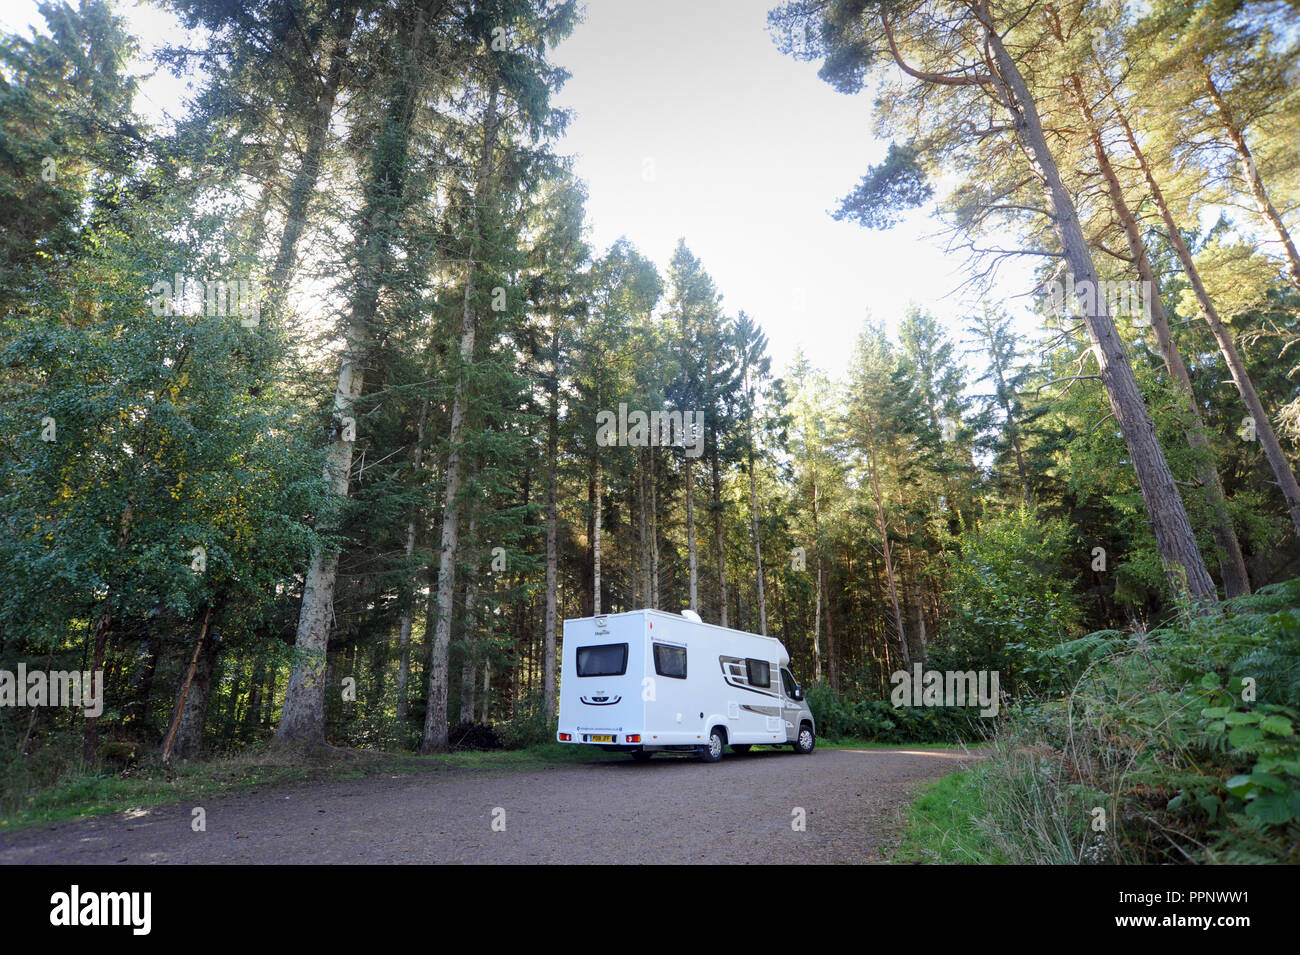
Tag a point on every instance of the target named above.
point(529, 727)
point(1010, 597)
point(473, 736)
point(1185, 738)
point(880, 721)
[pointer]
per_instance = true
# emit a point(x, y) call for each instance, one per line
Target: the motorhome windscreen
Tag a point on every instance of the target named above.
point(609, 659)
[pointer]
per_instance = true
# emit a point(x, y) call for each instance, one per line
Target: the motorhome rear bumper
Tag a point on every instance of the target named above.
point(634, 740)
point(600, 739)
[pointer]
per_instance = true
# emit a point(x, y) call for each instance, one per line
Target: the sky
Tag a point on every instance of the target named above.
point(689, 123)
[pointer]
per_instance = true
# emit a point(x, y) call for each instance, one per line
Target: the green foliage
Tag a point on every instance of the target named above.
point(1009, 596)
point(880, 721)
point(887, 190)
point(529, 727)
point(1185, 736)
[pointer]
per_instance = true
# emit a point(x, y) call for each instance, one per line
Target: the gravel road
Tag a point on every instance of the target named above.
point(669, 810)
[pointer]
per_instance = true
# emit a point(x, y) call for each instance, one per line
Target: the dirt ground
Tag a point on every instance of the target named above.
point(668, 810)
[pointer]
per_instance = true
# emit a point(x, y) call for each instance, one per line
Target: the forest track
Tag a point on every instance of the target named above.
point(667, 810)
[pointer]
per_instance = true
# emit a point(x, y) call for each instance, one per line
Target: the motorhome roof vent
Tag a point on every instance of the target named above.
point(692, 616)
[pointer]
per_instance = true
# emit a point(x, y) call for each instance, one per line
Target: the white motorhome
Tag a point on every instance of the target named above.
point(647, 681)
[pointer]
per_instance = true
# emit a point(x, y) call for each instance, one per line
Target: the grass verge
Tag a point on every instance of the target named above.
point(943, 824)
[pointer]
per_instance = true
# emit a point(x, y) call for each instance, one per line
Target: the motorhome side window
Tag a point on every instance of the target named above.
point(788, 682)
point(758, 673)
point(609, 659)
point(670, 661)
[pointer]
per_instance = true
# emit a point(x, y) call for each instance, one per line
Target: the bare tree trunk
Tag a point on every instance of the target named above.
point(1251, 173)
point(469, 639)
point(720, 557)
point(1232, 565)
point(832, 656)
point(302, 721)
point(643, 527)
point(817, 535)
point(690, 537)
point(595, 537)
point(758, 544)
point(1227, 347)
point(654, 533)
point(900, 632)
point(196, 678)
point(922, 640)
point(1184, 566)
point(304, 185)
point(404, 631)
point(817, 625)
point(90, 739)
point(1013, 428)
point(256, 696)
point(435, 717)
point(552, 527)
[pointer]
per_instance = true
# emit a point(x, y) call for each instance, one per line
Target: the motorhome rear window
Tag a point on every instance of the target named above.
point(758, 672)
point(670, 661)
point(609, 659)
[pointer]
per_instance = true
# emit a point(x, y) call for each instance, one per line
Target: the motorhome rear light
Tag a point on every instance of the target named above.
point(566, 737)
point(634, 738)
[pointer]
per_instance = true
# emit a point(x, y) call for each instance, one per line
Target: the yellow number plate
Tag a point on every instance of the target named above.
point(605, 738)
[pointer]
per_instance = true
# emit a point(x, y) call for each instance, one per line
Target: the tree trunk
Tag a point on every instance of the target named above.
point(817, 625)
point(922, 640)
point(758, 543)
point(900, 632)
point(654, 532)
point(817, 541)
point(185, 735)
point(643, 526)
point(1175, 541)
point(304, 184)
point(90, 739)
point(1251, 173)
point(1232, 566)
point(256, 696)
point(595, 536)
point(1227, 347)
point(146, 663)
point(404, 630)
point(832, 656)
point(302, 721)
point(435, 717)
point(552, 526)
point(1013, 429)
point(469, 639)
point(690, 537)
point(717, 535)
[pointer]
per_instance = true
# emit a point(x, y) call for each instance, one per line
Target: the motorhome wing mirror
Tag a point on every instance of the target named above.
point(798, 692)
